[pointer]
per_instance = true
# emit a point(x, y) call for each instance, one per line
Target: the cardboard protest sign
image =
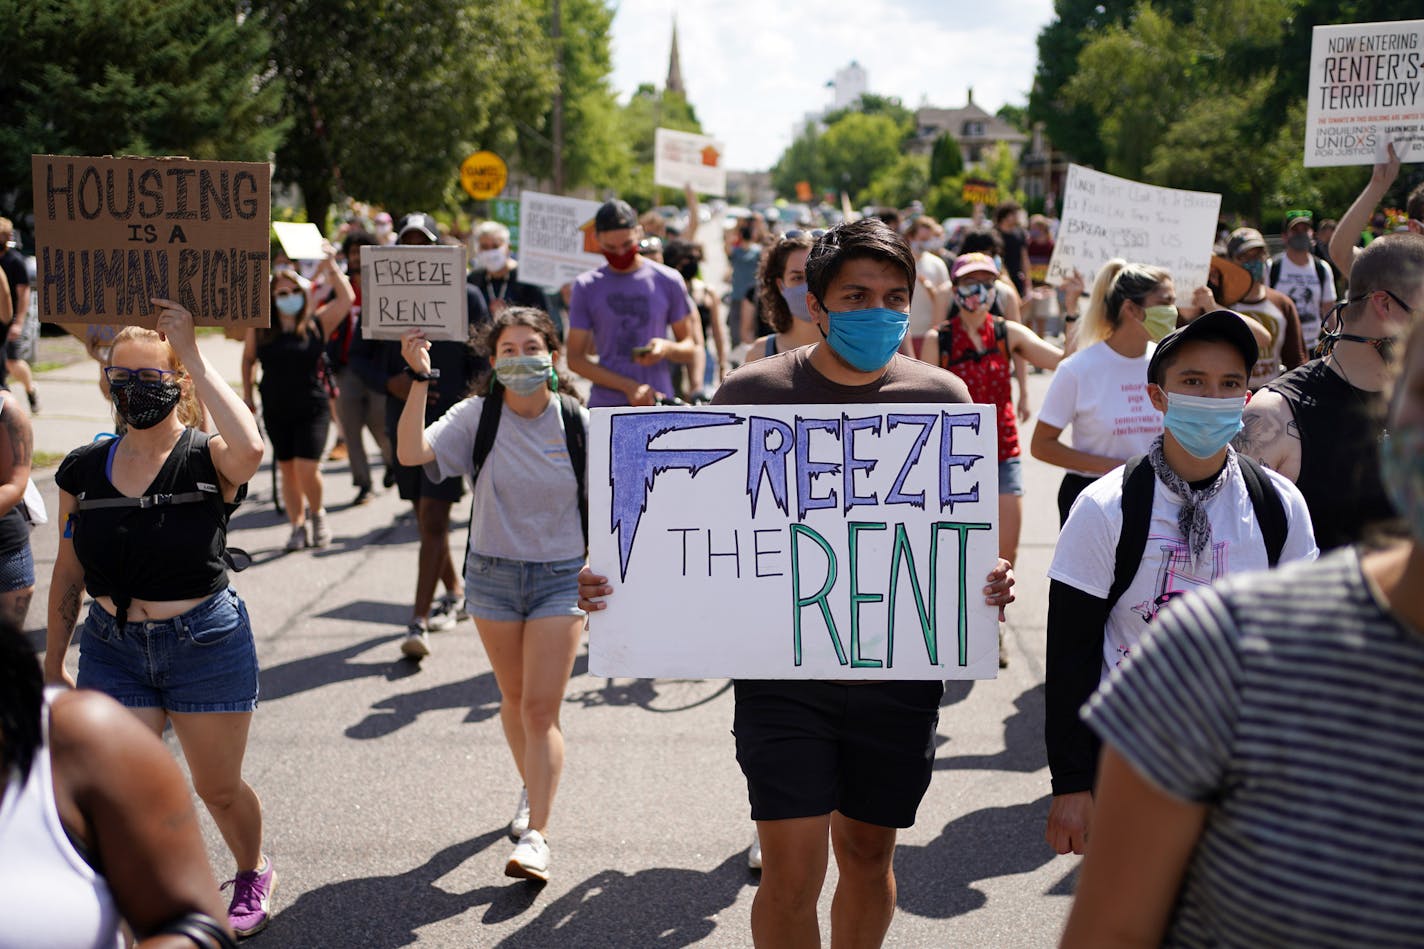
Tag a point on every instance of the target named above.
point(112, 233)
point(682, 158)
point(786, 542)
point(556, 241)
point(1366, 91)
point(301, 241)
point(406, 287)
point(1106, 217)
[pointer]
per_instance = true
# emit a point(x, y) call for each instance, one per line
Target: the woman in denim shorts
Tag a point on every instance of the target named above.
point(143, 528)
point(17, 563)
point(526, 542)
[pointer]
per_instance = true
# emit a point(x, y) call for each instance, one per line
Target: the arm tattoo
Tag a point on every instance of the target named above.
point(69, 606)
point(20, 436)
point(1258, 432)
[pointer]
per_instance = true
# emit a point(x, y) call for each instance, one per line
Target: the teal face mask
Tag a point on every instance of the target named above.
point(525, 375)
point(1257, 270)
point(867, 339)
point(1203, 426)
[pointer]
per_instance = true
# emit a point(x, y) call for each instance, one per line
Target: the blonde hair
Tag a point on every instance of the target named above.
point(1118, 282)
point(190, 410)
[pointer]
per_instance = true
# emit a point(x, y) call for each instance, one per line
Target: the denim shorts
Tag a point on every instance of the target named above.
point(1011, 476)
point(203, 660)
point(17, 569)
point(513, 590)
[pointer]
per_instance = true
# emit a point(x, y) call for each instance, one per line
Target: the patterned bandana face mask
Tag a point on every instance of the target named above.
point(144, 405)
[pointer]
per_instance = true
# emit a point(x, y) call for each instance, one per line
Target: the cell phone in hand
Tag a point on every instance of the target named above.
point(642, 350)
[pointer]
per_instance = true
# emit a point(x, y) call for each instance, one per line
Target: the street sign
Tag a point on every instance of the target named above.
point(483, 175)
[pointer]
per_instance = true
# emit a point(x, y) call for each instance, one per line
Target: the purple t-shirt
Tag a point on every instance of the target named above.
point(626, 310)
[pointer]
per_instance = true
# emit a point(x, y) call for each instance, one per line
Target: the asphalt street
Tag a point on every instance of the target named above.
point(387, 786)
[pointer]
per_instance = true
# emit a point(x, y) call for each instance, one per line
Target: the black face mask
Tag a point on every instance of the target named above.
point(144, 406)
point(688, 270)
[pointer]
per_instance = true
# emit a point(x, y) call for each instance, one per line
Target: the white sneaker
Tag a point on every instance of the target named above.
point(520, 824)
point(442, 615)
point(530, 860)
point(321, 531)
point(417, 644)
point(754, 853)
point(298, 540)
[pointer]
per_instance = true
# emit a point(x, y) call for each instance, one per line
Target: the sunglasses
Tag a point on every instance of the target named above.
point(121, 376)
point(794, 233)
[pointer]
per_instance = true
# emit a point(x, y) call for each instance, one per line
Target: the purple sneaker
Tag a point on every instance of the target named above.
point(251, 906)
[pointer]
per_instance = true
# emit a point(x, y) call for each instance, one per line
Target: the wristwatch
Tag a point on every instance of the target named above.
point(422, 376)
point(1071, 319)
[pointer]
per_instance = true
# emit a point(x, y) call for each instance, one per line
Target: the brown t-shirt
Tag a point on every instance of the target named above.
point(789, 379)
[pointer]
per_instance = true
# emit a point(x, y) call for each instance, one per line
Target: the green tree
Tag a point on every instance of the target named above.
point(897, 184)
point(857, 148)
point(131, 77)
point(649, 109)
point(389, 95)
point(946, 158)
point(1070, 125)
point(802, 161)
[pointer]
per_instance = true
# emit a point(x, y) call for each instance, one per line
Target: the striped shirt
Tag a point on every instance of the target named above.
point(1290, 703)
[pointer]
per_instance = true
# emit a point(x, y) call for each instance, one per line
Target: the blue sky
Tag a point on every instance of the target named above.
point(753, 67)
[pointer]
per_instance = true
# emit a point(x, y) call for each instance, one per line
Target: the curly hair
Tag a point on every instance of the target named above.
point(773, 265)
point(488, 341)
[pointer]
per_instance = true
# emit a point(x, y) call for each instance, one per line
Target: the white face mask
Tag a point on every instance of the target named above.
point(494, 259)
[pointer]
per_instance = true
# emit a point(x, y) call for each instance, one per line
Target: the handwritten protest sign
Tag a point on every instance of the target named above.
point(301, 241)
point(556, 241)
point(1366, 91)
point(682, 158)
point(1106, 217)
point(112, 233)
point(406, 287)
point(781, 542)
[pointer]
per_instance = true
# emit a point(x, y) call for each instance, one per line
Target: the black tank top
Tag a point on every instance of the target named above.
point(1340, 428)
point(289, 370)
point(162, 552)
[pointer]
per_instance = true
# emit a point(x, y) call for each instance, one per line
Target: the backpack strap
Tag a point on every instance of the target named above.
point(1275, 276)
point(489, 428)
point(1266, 502)
point(576, 438)
point(1001, 336)
point(1138, 484)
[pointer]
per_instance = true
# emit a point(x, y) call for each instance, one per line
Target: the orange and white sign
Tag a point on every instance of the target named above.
point(684, 158)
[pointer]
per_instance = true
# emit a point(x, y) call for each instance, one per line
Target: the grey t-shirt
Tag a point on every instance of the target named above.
point(526, 500)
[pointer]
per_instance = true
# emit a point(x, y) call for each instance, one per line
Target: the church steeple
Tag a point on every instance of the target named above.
point(674, 76)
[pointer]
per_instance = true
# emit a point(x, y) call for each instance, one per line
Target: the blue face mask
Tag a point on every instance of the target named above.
point(795, 298)
point(291, 304)
point(1256, 268)
point(1203, 426)
point(867, 339)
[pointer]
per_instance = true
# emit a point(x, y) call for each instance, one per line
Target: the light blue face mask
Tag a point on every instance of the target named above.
point(525, 375)
point(795, 298)
point(1203, 426)
point(291, 304)
point(1256, 268)
point(867, 339)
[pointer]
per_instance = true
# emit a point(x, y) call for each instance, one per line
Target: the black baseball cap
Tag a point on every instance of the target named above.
point(423, 223)
point(615, 215)
point(1218, 325)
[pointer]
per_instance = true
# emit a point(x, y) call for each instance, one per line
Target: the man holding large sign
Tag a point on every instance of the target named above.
point(848, 759)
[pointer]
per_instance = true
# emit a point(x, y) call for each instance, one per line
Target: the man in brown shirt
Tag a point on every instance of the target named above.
point(844, 763)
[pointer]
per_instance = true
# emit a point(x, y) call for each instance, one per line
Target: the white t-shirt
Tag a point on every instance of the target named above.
point(1103, 396)
point(1269, 315)
point(1087, 550)
point(1312, 296)
point(932, 268)
point(526, 500)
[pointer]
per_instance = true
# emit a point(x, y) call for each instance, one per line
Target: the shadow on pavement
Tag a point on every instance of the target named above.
point(1023, 741)
point(384, 912)
point(937, 880)
point(478, 695)
point(653, 695)
point(664, 907)
point(328, 668)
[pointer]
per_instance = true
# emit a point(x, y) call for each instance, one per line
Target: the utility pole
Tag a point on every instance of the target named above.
point(556, 35)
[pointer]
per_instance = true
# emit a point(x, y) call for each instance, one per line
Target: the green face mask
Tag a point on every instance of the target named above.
point(1160, 321)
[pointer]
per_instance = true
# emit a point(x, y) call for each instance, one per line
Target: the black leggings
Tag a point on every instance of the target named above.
point(1072, 486)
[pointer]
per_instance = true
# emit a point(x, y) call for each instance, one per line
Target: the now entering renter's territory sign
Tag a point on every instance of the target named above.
point(113, 233)
point(794, 542)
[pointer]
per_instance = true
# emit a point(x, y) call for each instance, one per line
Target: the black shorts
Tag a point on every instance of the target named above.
point(414, 484)
point(808, 748)
point(297, 437)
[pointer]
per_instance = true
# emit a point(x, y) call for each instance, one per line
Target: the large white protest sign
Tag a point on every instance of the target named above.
point(301, 241)
point(1106, 217)
point(556, 241)
point(1366, 91)
point(683, 158)
point(789, 542)
point(405, 288)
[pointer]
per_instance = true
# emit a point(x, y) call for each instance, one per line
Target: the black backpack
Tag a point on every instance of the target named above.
point(575, 437)
point(1322, 273)
point(1138, 484)
point(946, 344)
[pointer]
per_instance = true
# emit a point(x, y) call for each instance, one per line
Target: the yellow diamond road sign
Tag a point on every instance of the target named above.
point(483, 175)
